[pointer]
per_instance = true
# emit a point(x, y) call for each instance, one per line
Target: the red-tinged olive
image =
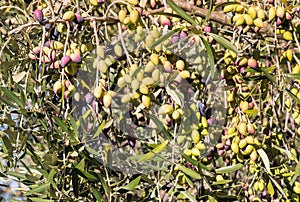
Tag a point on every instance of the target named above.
point(165, 21)
point(252, 63)
point(78, 18)
point(207, 29)
point(183, 35)
point(75, 57)
point(64, 61)
point(175, 38)
point(38, 15)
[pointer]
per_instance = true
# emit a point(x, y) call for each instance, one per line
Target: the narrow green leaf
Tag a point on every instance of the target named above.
point(61, 124)
point(87, 175)
point(38, 189)
point(74, 126)
point(294, 76)
point(4, 100)
point(7, 143)
point(221, 182)
point(12, 96)
point(160, 126)
point(190, 172)
point(293, 96)
point(278, 187)
point(194, 162)
point(224, 42)
point(130, 186)
point(229, 169)
point(182, 13)
point(165, 37)
point(188, 195)
point(297, 169)
point(269, 76)
point(104, 184)
point(97, 194)
point(148, 156)
point(210, 56)
point(265, 159)
point(100, 129)
point(17, 175)
point(40, 200)
point(211, 3)
point(80, 165)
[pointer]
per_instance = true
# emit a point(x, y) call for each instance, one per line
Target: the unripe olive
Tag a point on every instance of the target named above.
point(61, 28)
point(254, 155)
point(57, 45)
point(296, 189)
point(188, 152)
point(148, 81)
point(122, 15)
point(242, 128)
point(71, 91)
point(144, 89)
point(134, 16)
point(107, 100)
point(180, 65)
point(149, 67)
point(149, 40)
point(287, 35)
point(258, 22)
point(57, 87)
point(248, 19)
point(146, 101)
point(166, 109)
point(69, 16)
point(195, 136)
point(195, 152)
point(176, 115)
point(118, 50)
point(280, 12)
point(272, 13)
point(235, 147)
point(242, 143)
point(154, 58)
point(229, 8)
point(98, 92)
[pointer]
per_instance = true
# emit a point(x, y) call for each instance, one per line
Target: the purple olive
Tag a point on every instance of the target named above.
point(175, 38)
point(183, 35)
point(78, 18)
point(64, 61)
point(38, 15)
point(47, 43)
point(88, 98)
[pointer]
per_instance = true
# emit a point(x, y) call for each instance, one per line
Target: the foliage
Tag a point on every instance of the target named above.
point(83, 81)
